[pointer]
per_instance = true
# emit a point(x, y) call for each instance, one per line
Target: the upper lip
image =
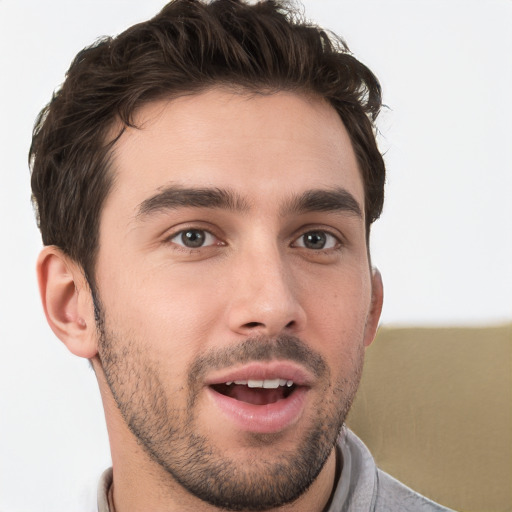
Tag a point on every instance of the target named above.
point(286, 370)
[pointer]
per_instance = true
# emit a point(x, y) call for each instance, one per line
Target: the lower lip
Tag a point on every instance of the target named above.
point(262, 419)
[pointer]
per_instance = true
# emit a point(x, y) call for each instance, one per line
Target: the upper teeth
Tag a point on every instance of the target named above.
point(267, 383)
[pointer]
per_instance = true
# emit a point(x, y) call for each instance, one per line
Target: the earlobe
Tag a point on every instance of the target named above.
point(67, 301)
point(372, 321)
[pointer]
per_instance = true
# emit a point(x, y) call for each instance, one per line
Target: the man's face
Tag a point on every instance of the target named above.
point(235, 290)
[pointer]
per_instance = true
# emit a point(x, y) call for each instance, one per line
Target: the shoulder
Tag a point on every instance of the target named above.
point(393, 496)
point(374, 490)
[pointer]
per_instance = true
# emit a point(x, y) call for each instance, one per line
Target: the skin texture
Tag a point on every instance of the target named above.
point(280, 274)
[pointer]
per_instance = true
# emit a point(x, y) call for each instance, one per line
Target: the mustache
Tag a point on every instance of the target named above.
point(261, 348)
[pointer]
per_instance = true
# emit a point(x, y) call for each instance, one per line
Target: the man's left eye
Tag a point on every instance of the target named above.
point(193, 238)
point(317, 240)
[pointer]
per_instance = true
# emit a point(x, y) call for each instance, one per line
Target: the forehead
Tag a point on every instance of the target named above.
point(262, 146)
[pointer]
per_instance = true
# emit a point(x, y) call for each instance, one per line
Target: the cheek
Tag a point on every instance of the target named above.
point(338, 315)
point(172, 312)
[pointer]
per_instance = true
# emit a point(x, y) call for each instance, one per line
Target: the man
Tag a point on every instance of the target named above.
point(205, 185)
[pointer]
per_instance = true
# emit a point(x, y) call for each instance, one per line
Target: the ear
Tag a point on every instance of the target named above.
point(67, 301)
point(372, 321)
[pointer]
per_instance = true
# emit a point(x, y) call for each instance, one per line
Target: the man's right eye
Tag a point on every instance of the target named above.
point(194, 238)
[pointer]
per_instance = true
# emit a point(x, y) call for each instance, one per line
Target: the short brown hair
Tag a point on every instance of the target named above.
point(188, 47)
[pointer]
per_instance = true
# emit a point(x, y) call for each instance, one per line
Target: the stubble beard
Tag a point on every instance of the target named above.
point(170, 436)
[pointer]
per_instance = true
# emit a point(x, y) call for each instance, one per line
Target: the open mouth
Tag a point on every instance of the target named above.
point(259, 397)
point(257, 392)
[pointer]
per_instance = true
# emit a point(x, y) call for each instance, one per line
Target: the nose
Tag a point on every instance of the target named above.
point(265, 296)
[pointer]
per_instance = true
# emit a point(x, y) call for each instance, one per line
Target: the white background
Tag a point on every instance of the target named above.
point(444, 243)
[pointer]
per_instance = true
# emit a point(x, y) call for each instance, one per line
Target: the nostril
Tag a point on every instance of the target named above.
point(252, 325)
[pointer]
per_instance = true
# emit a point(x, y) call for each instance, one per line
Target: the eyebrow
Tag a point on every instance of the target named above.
point(317, 200)
point(173, 197)
point(321, 200)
